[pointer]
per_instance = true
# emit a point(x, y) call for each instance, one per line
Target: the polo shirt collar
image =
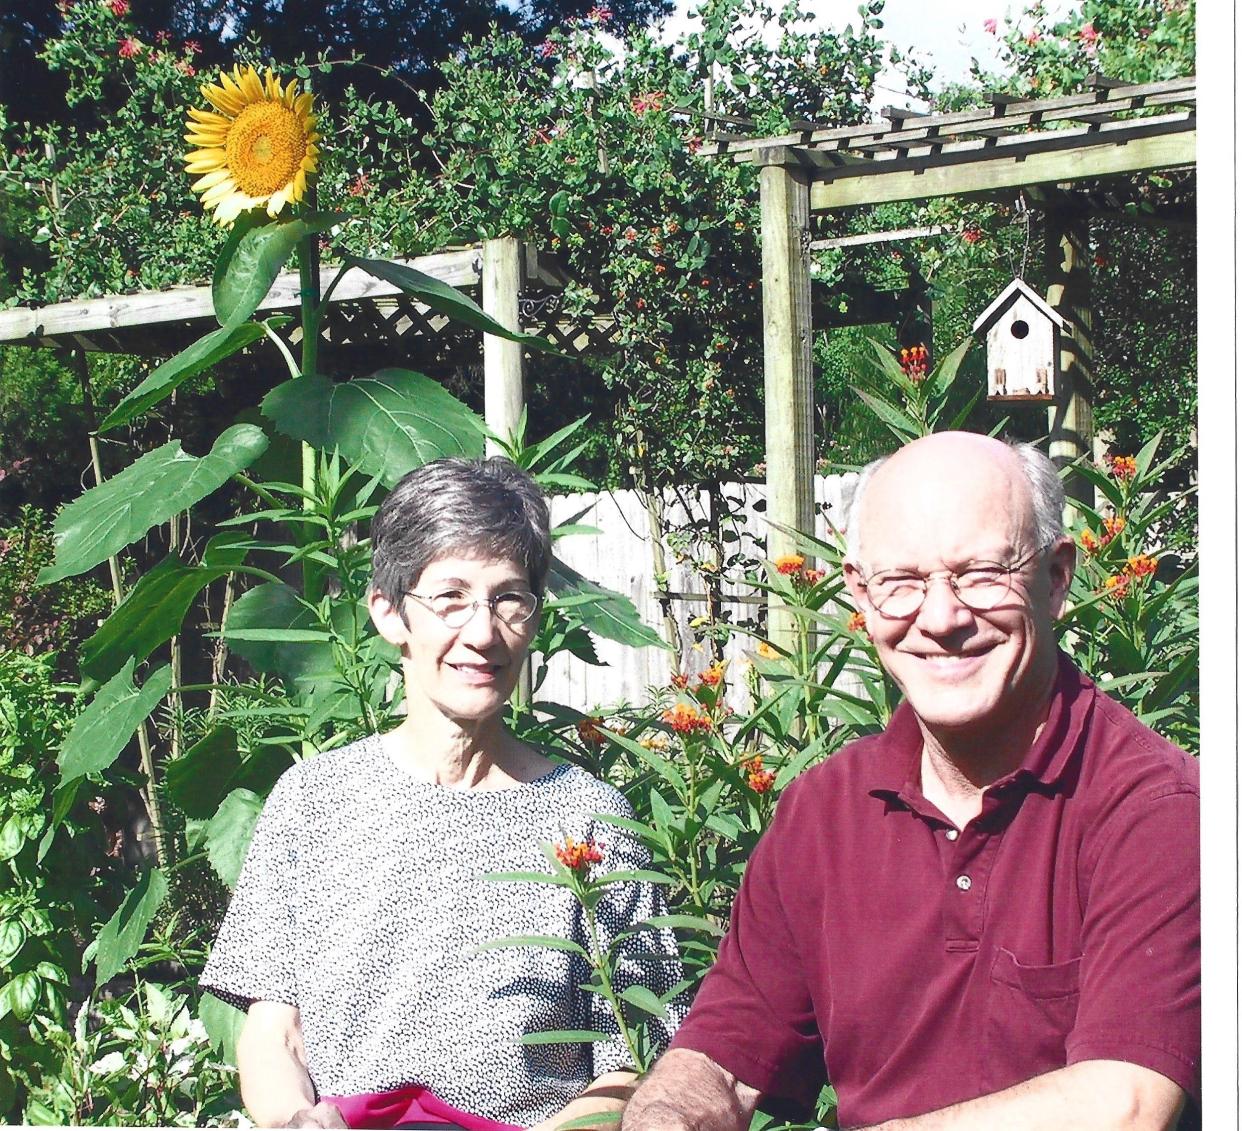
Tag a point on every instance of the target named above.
point(894, 766)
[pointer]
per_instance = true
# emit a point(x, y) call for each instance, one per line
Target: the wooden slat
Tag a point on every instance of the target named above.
point(1118, 99)
point(966, 178)
point(182, 304)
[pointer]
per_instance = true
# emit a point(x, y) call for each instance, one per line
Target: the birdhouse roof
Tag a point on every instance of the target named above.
point(1005, 299)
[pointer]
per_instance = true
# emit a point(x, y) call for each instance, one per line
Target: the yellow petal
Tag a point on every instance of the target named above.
point(204, 160)
point(210, 180)
point(207, 118)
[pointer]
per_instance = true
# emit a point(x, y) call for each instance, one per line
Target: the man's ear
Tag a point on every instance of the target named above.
point(1062, 558)
point(854, 583)
point(388, 619)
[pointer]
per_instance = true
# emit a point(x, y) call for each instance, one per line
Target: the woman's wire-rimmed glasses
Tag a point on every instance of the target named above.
point(514, 607)
point(980, 586)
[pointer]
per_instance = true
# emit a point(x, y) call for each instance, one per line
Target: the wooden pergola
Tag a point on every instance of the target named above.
point(1054, 151)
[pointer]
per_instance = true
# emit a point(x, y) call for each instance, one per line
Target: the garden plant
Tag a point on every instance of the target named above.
point(144, 720)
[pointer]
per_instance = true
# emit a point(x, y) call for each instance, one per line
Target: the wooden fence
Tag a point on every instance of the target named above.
point(620, 557)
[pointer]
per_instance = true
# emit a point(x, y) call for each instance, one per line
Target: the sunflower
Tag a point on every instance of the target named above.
point(258, 148)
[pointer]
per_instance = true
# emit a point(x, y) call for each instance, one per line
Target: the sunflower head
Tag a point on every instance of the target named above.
point(255, 147)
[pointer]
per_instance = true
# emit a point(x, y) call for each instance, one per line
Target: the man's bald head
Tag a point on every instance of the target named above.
point(957, 460)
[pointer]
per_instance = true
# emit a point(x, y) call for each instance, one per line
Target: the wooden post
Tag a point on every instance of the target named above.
point(788, 392)
point(1068, 264)
point(503, 396)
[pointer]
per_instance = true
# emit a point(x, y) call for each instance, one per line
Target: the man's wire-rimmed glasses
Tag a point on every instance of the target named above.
point(980, 586)
point(513, 607)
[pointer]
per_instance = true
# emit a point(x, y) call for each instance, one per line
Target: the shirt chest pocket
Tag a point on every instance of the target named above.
point(1031, 1010)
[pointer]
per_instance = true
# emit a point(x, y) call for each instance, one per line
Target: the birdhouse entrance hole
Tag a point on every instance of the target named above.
point(1019, 329)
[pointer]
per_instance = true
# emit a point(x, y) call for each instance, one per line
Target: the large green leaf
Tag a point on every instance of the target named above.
point(273, 631)
point(121, 936)
point(385, 424)
point(154, 609)
point(151, 490)
point(253, 256)
point(199, 780)
point(229, 831)
point(446, 300)
point(196, 357)
point(109, 721)
point(605, 612)
point(223, 1023)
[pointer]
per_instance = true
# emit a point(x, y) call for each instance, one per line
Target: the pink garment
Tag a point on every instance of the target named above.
point(382, 1110)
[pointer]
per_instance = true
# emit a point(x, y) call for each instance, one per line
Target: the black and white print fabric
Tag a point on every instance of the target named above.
point(362, 902)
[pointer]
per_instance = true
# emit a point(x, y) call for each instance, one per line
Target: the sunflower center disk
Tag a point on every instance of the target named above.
point(265, 147)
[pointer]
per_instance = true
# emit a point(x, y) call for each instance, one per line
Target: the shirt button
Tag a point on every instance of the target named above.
point(950, 834)
point(963, 883)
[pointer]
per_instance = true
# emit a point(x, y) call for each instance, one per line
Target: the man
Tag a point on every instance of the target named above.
point(987, 916)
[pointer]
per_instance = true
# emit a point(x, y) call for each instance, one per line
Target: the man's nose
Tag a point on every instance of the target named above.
point(942, 610)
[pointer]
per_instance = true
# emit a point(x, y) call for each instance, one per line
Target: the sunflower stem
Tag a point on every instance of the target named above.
point(308, 276)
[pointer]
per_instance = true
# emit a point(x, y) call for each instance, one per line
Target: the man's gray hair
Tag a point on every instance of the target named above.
point(476, 508)
point(1047, 497)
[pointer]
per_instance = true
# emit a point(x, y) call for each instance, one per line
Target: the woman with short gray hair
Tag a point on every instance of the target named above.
point(353, 938)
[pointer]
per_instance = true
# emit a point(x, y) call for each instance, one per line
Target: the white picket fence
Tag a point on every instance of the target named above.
point(620, 558)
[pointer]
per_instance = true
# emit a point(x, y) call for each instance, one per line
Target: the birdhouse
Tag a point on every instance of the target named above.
point(1024, 345)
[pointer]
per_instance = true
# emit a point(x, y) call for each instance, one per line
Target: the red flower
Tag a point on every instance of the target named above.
point(193, 46)
point(1100, 260)
point(547, 49)
point(712, 676)
point(652, 100)
point(360, 185)
point(1088, 34)
point(679, 681)
point(914, 363)
point(163, 37)
point(789, 564)
point(972, 234)
point(813, 576)
point(856, 623)
point(601, 14)
point(759, 779)
point(186, 67)
point(128, 47)
point(119, 8)
point(1123, 467)
point(579, 855)
point(589, 732)
point(685, 719)
point(1140, 566)
point(1089, 541)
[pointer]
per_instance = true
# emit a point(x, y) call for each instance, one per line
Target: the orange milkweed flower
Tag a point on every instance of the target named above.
point(789, 564)
point(579, 855)
point(685, 719)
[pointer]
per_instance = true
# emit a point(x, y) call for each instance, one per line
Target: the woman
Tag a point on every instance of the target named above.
point(352, 938)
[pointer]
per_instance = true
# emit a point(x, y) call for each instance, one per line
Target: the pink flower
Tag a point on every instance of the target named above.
point(1088, 35)
point(989, 25)
point(651, 100)
point(972, 234)
point(601, 14)
point(547, 49)
point(128, 47)
point(163, 37)
point(119, 8)
point(1032, 38)
point(186, 67)
point(193, 46)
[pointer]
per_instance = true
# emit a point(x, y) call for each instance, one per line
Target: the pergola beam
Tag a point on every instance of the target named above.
point(980, 174)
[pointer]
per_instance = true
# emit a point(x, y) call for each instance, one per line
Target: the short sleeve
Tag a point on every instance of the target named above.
point(647, 958)
point(753, 1014)
point(253, 955)
point(1139, 985)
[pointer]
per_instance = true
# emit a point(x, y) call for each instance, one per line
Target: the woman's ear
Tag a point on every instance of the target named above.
point(388, 619)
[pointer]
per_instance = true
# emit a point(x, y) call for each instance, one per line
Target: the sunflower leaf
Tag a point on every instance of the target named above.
point(603, 611)
point(196, 357)
point(447, 300)
point(150, 490)
point(384, 424)
point(252, 258)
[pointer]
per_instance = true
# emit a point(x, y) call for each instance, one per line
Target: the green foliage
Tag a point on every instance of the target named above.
point(33, 619)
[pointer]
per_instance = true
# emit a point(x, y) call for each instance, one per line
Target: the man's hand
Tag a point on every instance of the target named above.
point(321, 1115)
point(687, 1091)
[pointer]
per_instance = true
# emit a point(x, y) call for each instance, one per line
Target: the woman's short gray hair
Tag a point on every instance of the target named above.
point(487, 508)
point(1047, 497)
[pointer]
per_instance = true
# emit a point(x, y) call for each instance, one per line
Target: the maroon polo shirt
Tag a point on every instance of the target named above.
point(916, 967)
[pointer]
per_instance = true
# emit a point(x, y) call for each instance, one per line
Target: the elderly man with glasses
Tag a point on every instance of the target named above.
point(986, 916)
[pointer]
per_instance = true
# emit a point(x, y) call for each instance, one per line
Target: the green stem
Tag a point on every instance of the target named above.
point(599, 960)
